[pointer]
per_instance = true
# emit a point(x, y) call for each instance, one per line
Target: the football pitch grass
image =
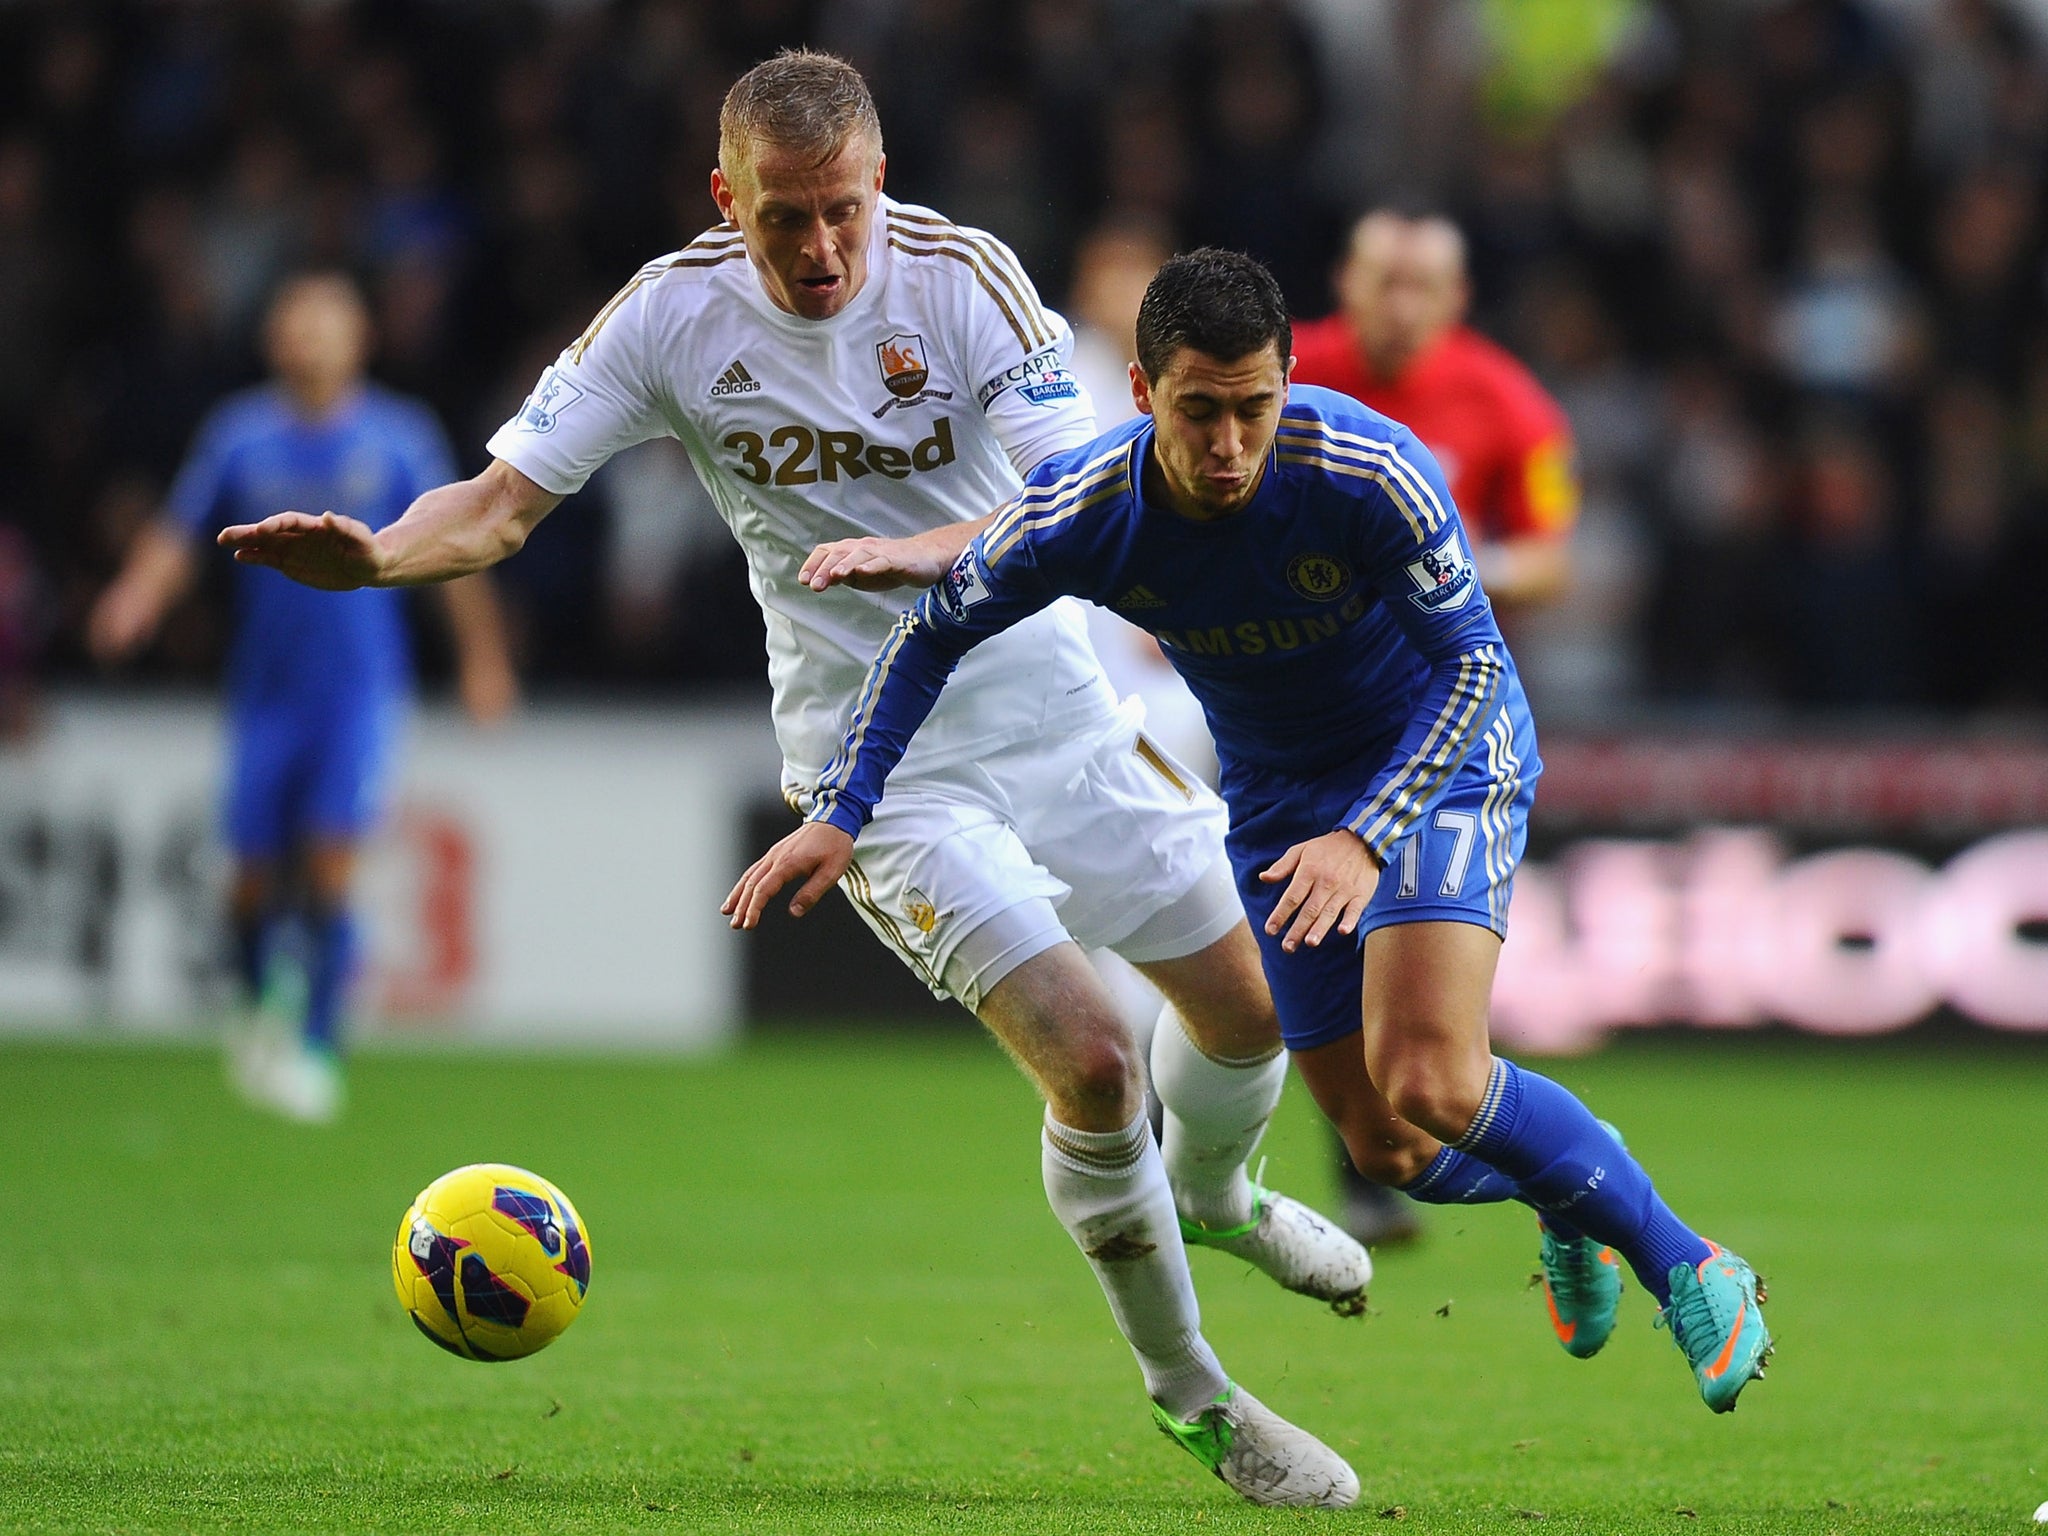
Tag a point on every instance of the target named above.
point(827, 1296)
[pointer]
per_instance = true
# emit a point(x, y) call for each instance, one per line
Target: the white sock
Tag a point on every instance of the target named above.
point(1109, 1190)
point(1216, 1111)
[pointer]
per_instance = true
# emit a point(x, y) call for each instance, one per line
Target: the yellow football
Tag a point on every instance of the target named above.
point(491, 1262)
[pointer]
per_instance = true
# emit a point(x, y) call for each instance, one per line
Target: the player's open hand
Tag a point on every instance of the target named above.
point(121, 622)
point(874, 565)
point(816, 853)
point(334, 553)
point(1329, 881)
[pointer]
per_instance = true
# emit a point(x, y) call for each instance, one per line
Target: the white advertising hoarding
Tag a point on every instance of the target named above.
point(554, 880)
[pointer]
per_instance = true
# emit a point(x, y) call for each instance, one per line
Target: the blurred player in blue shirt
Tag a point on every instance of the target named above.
point(1301, 562)
point(319, 683)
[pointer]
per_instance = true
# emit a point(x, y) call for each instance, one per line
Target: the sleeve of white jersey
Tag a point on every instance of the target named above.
point(600, 397)
point(1020, 355)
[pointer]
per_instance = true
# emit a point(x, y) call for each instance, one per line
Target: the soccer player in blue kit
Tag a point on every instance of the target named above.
point(319, 682)
point(1299, 558)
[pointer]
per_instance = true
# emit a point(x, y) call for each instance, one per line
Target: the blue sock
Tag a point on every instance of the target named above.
point(254, 939)
point(333, 968)
point(1564, 1161)
point(1458, 1178)
point(1455, 1178)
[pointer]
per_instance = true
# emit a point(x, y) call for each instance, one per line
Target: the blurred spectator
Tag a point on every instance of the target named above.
point(1258, 111)
point(1842, 323)
point(1970, 562)
point(1840, 590)
point(1114, 264)
point(250, 228)
point(18, 596)
point(1987, 294)
point(1718, 489)
point(1399, 343)
point(1581, 657)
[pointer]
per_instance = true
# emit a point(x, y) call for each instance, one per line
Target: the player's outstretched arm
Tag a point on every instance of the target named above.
point(816, 853)
point(1524, 571)
point(875, 565)
point(155, 575)
point(485, 676)
point(451, 531)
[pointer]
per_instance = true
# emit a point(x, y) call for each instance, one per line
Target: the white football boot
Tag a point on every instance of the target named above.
point(1298, 1248)
point(292, 1079)
point(1263, 1458)
point(309, 1086)
point(254, 1041)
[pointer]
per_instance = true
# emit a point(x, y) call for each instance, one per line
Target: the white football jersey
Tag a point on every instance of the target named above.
point(921, 403)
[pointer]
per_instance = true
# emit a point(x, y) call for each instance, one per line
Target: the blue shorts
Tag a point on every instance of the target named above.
point(1456, 864)
point(296, 773)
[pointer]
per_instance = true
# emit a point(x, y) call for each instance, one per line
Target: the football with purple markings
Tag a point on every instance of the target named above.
point(491, 1262)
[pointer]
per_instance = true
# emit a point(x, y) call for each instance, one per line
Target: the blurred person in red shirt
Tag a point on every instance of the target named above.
point(1399, 342)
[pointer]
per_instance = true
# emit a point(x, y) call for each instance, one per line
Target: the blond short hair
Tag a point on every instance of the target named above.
point(811, 103)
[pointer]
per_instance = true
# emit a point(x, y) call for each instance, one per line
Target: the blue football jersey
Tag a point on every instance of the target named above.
point(1337, 617)
point(367, 459)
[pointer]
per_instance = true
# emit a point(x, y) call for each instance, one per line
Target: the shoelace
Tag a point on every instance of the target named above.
point(1575, 1278)
point(1694, 1307)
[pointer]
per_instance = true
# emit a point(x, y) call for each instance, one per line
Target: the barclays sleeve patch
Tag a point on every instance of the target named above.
point(553, 395)
point(1443, 578)
point(964, 585)
point(1041, 379)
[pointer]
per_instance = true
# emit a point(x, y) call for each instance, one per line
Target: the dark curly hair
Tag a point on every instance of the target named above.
point(1223, 304)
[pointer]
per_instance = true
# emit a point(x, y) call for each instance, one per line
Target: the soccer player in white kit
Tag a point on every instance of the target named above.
point(841, 366)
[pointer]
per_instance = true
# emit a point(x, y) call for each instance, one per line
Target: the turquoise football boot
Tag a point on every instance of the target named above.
point(1581, 1287)
point(1716, 1317)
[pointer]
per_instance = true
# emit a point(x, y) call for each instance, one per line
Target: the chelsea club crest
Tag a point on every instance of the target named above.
point(1320, 578)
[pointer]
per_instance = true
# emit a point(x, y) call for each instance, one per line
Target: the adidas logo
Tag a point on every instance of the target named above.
point(1140, 597)
point(736, 381)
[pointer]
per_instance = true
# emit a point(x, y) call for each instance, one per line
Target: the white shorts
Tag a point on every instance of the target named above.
point(970, 870)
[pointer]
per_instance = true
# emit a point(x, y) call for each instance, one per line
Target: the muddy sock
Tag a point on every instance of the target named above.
point(1109, 1190)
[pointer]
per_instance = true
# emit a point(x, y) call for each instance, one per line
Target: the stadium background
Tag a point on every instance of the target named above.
point(1784, 265)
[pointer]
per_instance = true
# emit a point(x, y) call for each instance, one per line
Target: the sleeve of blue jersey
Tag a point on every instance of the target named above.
point(979, 597)
point(1409, 538)
point(198, 498)
point(1441, 632)
point(429, 459)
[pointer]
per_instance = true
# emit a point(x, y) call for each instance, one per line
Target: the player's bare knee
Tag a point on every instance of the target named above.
point(1430, 1092)
point(1387, 1160)
point(1103, 1085)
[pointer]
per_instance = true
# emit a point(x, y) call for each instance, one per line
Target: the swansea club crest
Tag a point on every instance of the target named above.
point(902, 360)
point(905, 372)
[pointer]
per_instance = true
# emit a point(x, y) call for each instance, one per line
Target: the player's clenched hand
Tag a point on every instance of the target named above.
point(1329, 881)
point(816, 853)
point(334, 553)
point(874, 565)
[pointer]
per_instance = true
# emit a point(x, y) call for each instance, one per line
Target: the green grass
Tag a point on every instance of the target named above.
point(828, 1297)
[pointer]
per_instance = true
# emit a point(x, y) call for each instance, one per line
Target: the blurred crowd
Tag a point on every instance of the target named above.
point(1782, 263)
